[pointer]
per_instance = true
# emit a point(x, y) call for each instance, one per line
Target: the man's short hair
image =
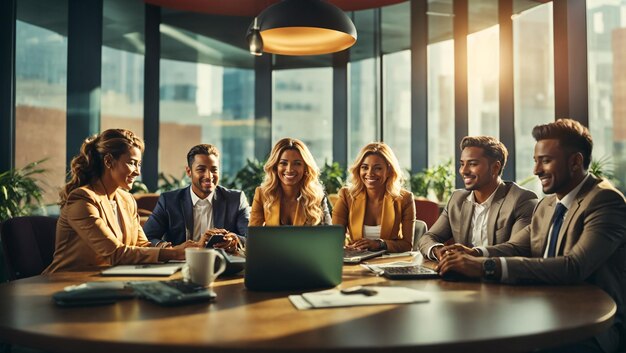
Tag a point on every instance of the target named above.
point(203, 148)
point(572, 135)
point(493, 149)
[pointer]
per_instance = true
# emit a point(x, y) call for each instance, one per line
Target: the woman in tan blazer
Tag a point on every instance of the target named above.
point(291, 193)
point(377, 213)
point(99, 224)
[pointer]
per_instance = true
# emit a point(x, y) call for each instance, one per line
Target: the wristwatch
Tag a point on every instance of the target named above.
point(489, 269)
point(383, 245)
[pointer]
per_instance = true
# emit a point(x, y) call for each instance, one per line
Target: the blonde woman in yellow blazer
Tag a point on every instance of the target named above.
point(99, 225)
point(291, 193)
point(377, 213)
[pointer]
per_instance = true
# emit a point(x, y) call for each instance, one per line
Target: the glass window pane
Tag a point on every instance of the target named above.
point(441, 142)
point(41, 99)
point(397, 105)
point(302, 108)
point(202, 103)
point(483, 68)
point(362, 122)
point(533, 61)
point(606, 60)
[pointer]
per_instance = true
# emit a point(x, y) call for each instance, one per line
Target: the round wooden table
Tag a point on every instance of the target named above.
point(461, 316)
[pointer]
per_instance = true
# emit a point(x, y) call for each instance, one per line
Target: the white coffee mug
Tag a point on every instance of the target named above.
point(200, 266)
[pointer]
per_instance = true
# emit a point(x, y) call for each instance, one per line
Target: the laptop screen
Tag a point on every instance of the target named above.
point(294, 257)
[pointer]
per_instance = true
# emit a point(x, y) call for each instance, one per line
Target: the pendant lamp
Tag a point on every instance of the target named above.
point(301, 27)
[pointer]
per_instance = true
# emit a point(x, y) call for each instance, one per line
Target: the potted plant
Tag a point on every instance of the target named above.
point(438, 179)
point(169, 183)
point(332, 176)
point(248, 178)
point(20, 195)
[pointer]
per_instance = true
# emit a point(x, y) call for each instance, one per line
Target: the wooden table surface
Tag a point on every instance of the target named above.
point(461, 316)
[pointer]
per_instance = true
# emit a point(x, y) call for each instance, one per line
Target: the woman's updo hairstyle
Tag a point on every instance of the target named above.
point(89, 163)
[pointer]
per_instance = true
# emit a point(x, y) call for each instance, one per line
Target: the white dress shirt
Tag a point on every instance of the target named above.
point(202, 214)
point(479, 219)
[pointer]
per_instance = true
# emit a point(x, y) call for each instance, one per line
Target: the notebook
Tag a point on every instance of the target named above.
point(355, 256)
point(143, 270)
point(293, 257)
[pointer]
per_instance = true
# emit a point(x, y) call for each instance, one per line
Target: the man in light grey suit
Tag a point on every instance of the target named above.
point(576, 235)
point(489, 210)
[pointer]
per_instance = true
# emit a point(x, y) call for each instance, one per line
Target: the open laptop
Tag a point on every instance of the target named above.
point(293, 257)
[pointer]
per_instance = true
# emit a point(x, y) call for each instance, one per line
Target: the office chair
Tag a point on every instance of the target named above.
point(427, 211)
point(419, 228)
point(28, 244)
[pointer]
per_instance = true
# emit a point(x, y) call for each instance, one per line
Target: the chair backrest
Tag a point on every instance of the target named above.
point(28, 244)
point(419, 229)
point(146, 203)
point(427, 211)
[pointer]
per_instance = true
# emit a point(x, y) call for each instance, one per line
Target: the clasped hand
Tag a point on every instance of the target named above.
point(460, 259)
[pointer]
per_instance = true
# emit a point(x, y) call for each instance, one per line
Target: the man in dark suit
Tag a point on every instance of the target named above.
point(201, 210)
point(489, 210)
point(577, 233)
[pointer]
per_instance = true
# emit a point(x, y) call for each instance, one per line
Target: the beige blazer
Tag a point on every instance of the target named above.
point(261, 216)
point(510, 211)
point(591, 246)
point(396, 222)
point(88, 236)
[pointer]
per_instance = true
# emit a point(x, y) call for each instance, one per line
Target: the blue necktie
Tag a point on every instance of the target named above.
point(556, 227)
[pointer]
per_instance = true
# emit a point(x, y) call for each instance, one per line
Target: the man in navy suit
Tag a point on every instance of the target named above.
point(202, 209)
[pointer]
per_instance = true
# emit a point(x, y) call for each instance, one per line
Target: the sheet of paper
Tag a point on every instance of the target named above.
point(384, 295)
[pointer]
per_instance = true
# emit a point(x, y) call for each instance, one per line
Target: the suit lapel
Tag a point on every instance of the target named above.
point(122, 209)
point(187, 207)
point(357, 215)
point(219, 209)
point(494, 211)
point(547, 222)
point(570, 213)
point(299, 219)
point(105, 205)
point(273, 216)
point(466, 220)
point(388, 217)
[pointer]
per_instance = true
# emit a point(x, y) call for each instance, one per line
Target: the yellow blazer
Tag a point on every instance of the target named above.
point(88, 236)
point(397, 218)
point(259, 216)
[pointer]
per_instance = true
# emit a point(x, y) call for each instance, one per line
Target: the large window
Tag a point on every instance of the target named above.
point(606, 60)
point(41, 99)
point(202, 103)
point(303, 108)
point(362, 122)
point(397, 105)
point(483, 63)
point(533, 58)
point(441, 142)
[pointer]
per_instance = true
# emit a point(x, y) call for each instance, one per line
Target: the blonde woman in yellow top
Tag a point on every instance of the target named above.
point(376, 211)
point(291, 193)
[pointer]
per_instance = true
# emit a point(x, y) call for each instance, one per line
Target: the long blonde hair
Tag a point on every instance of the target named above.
point(395, 178)
point(89, 163)
point(311, 192)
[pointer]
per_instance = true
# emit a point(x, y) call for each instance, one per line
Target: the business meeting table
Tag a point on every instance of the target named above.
point(460, 316)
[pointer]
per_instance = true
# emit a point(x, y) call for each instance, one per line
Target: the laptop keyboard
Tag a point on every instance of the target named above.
point(409, 272)
point(174, 292)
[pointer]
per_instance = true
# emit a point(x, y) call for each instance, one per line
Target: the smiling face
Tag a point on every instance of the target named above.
point(126, 168)
point(291, 168)
point(374, 172)
point(475, 169)
point(204, 174)
point(554, 167)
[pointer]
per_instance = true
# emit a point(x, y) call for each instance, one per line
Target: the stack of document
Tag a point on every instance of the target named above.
point(335, 298)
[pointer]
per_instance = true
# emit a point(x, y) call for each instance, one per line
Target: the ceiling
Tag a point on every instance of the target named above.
point(219, 39)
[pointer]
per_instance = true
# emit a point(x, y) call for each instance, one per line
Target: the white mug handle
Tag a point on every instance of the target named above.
point(222, 265)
